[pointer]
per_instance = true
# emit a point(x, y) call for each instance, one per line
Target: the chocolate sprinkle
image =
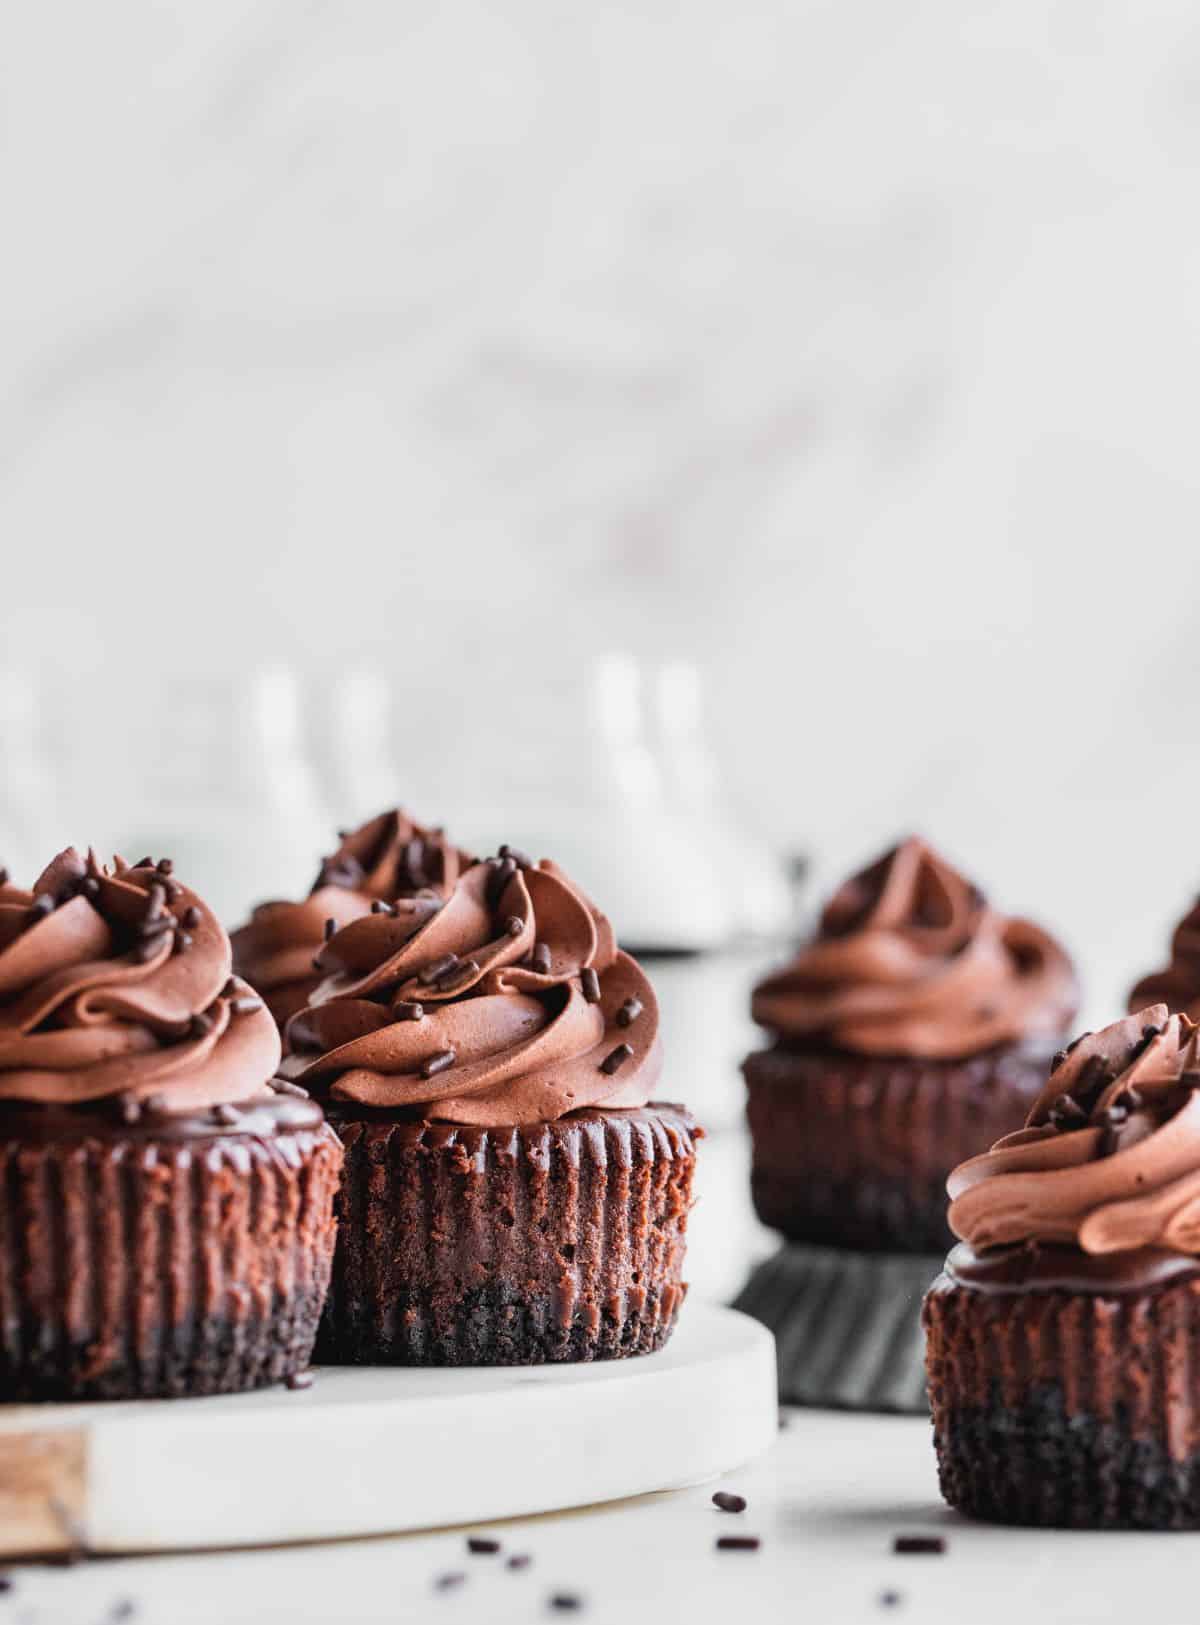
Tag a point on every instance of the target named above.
point(191, 916)
point(890, 1599)
point(1066, 1113)
point(156, 899)
point(408, 1010)
point(566, 1602)
point(615, 1059)
point(246, 1005)
point(514, 925)
point(433, 973)
point(519, 1560)
point(729, 1503)
point(503, 870)
point(540, 958)
point(482, 1545)
point(437, 1063)
point(590, 984)
point(164, 866)
point(296, 1380)
point(447, 1582)
point(457, 976)
point(738, 1543)
point(918, 1545)
point(629, 1012)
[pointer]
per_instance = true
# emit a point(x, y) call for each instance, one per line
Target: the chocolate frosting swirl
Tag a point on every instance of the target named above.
point(1109, 1161)
point(116, 985)
point(509, 1003)
point(909, 959)
point(388, 857)
point(1177, 985)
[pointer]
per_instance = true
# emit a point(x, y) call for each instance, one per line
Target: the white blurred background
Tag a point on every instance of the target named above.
point(390, 390)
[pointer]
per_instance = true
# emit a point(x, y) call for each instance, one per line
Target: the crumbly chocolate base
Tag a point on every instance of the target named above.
point(478, 1246)
point(1042, 1465)
point(1069, 1409)
point(854, 1151)
point(216, 1356)
point(141, 1267)
point(491, 1326)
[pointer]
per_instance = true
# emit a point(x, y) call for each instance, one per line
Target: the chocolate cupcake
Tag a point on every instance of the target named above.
point(1065, 1331)
point(1177, 985)
point(914, 1028)
point(166, 1216)
point(388, 857)
point(510, 1195)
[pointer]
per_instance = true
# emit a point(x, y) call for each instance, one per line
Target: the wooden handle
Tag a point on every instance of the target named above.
point(43, 1492)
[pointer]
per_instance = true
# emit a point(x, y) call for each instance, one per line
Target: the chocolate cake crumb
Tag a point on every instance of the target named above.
point(727, 1502)
point(738, 1543)
point(482, 1545)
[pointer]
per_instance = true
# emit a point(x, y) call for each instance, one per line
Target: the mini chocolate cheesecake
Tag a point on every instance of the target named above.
point(510, 1196)
point(166, 1211)
point(914, 1029)
point(1064, 1331)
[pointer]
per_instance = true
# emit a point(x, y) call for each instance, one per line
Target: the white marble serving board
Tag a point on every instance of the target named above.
point(377, 1450)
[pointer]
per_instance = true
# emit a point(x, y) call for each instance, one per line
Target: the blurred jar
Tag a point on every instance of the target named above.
point(218, 778)
point(31, 810)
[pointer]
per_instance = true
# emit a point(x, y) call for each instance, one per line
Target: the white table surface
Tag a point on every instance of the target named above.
point(826, 1501)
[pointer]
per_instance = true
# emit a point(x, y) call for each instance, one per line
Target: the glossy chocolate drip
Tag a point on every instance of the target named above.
point(1049, 1267)
point(264, 1118)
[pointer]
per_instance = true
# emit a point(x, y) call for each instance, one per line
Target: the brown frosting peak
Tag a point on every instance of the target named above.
point(909, 959)
point(1177, 985)
point(388, 857)
point(507, 1004)
point(1109, 1161)
point(117, 983)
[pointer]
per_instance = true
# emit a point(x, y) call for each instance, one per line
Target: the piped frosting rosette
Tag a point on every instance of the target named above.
point(909, 959)
point(116, 985)
point(388, 857)
point(1109, 1161)
point(1177, 985)
point(508, 1003)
